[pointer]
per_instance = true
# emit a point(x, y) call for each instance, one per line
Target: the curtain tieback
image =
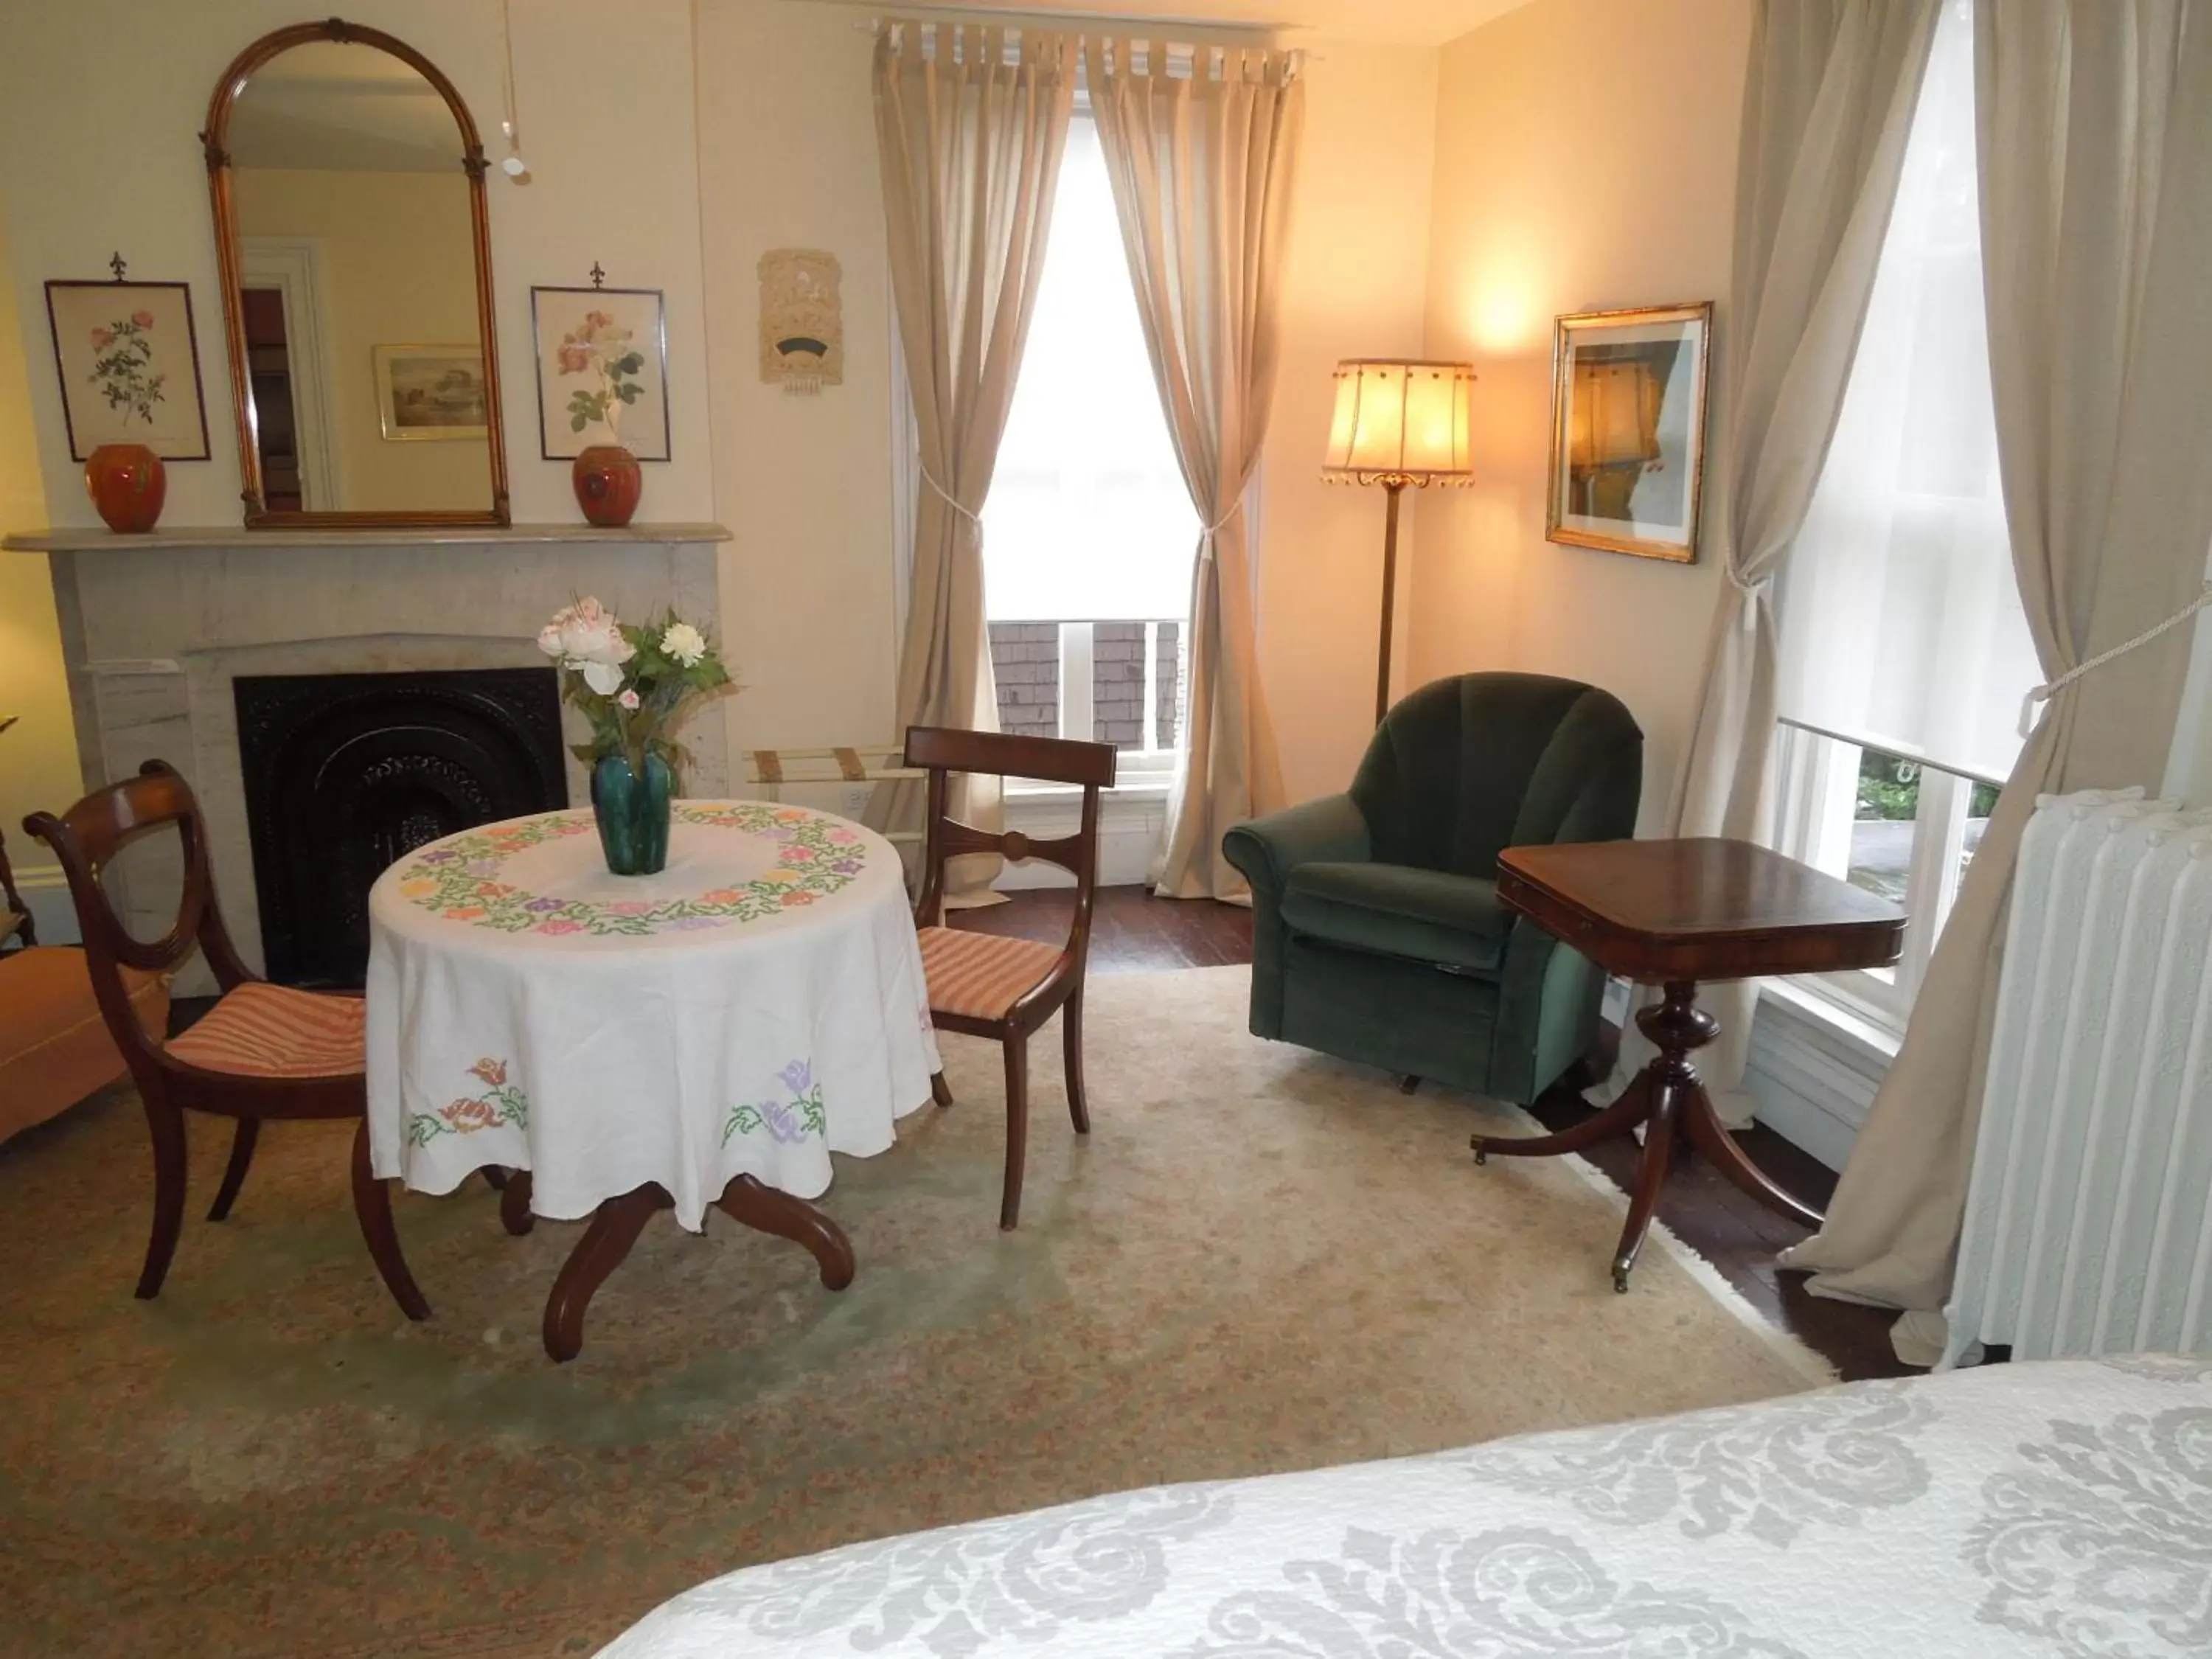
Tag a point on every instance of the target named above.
point(1214, 529)
point(947, 497)
point(2050, 688)
point(1751, 591)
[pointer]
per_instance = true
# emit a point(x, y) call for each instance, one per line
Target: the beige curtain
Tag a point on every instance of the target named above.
point(970, 143)
point(1201, 166)
point(1828, 104)
point(2095, 160)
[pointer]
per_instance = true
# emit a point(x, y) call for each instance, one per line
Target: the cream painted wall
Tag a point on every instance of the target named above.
point(395, 265)
point(1571, 177)
point(788, 159)
point(606, 121)
point(38, 757)
point(1354, 286)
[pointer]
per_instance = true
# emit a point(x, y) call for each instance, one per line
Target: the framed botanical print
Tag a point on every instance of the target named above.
point(602, 370)
point(430, 394)
point(1628, 430)
point(130, 367)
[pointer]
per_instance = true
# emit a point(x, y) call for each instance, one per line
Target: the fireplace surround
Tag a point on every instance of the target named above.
point(158, 629)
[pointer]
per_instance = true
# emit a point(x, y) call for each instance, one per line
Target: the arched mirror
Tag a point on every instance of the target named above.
point(350, 222)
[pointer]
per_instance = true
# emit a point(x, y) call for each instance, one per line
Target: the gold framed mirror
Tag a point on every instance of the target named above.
point(353, 239)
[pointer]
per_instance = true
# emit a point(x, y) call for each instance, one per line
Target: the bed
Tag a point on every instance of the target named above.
point(2060, 1509)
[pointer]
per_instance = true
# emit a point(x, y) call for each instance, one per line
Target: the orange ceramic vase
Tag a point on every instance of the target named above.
point(608, 485)
point(127, 482)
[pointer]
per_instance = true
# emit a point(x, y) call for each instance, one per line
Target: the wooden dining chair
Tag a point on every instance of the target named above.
point(1005, 988)
point(263, 1051)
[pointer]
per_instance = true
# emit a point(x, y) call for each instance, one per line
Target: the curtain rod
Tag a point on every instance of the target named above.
point(1131, 27)
point(957, 16)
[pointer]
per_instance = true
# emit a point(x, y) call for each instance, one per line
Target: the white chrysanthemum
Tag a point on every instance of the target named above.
point(684, 642)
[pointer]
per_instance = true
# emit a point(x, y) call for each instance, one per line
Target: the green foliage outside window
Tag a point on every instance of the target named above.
point(1889, 788)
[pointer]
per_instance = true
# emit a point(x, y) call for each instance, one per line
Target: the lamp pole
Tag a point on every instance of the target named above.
point(1395, 484)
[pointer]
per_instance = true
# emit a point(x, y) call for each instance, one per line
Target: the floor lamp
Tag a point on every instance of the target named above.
point(1398, 421)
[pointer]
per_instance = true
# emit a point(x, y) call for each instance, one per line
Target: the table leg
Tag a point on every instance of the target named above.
point(1669, 1099)
point(514, 1204)
point(1659, 1131)
point(617, 1222)
point(1633, 1106)
point(615, 1227)
point(768, 1210)
point(1709, 1136)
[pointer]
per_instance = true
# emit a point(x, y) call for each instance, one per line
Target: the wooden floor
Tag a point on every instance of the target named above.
point(1134, 931)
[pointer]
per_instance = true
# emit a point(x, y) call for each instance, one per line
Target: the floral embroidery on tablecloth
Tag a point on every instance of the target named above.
point(500, 1104)
point(787, 1125)
point(458, 879)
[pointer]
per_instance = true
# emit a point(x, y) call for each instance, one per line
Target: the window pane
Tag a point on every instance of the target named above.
point(1881, 828)
point(1088, 519)
point(1901, 620)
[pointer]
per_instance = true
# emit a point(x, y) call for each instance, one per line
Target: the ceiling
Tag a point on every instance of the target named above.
point(1406, 22)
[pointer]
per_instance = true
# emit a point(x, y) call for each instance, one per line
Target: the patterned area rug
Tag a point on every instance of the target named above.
point(1263, 1259)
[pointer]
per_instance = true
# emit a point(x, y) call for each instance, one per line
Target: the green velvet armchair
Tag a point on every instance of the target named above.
point(1376, 932)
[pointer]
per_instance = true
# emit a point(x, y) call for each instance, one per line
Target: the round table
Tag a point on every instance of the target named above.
point(704, 1037)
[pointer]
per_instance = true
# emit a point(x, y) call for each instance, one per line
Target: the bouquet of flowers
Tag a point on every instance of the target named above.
point(634, 684)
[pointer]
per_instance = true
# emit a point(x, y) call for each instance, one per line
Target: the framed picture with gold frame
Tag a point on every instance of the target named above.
point(1628, 430)
point(430, 393)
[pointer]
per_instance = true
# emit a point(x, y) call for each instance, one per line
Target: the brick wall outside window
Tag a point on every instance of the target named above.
point(1025, 662)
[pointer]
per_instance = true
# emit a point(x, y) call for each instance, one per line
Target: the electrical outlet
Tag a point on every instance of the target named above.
point(856, 798)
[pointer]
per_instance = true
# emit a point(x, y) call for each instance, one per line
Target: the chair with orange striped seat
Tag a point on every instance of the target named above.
point(263, 1051)
point(1003, 988)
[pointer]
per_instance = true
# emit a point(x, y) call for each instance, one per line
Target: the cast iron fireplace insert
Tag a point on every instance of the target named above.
point(347, 773)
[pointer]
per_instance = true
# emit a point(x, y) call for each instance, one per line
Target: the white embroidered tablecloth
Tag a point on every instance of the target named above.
point(754, 1008)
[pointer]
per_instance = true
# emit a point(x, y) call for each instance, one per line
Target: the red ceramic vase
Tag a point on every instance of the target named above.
point(127, 482)
point(608, 485)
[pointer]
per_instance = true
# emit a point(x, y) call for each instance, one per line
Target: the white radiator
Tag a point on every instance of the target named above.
point(2089, 1222)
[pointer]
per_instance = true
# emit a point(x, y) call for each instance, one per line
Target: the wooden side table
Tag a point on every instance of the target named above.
point(1672, 913)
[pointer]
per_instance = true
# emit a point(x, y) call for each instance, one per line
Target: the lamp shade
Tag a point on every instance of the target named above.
point(1399, 418)
point(1616, 414)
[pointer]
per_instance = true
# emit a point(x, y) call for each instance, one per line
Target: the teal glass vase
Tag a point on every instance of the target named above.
point(633, 813)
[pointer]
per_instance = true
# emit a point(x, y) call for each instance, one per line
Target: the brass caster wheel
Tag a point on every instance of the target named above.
point(1481, 1154)
point(1621, 1281)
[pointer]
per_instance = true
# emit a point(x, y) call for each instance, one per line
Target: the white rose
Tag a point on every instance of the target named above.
point(590, 633)
point(684, 642)
point(548, 640)
point(604, 677)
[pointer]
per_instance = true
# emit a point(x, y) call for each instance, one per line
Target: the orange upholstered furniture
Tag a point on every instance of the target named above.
point(54, 1045)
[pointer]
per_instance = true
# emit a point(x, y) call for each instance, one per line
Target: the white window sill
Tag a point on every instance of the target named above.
point(1137, 789)
point(1869, 1039)
point(1814, 1068)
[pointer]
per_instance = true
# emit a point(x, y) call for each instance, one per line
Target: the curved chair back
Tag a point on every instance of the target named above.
point(1466, 767)
point(85, 839)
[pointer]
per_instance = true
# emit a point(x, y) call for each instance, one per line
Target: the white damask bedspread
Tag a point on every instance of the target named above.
point(2060, 1509)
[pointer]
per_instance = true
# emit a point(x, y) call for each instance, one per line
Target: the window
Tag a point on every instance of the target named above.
point(1904, 652)
point(1089, 532)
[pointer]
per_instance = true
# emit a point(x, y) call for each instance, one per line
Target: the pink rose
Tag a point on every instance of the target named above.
point(102, 338)
point(558, 925)
point(143, 319)
point(635, 908)
point(627, 700)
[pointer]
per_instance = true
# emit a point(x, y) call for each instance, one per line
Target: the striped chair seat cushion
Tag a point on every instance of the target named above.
point(981, 975)
point(272, 1031)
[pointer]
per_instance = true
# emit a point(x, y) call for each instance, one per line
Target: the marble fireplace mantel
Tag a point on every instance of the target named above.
point(155, 629)
point(206, 536)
